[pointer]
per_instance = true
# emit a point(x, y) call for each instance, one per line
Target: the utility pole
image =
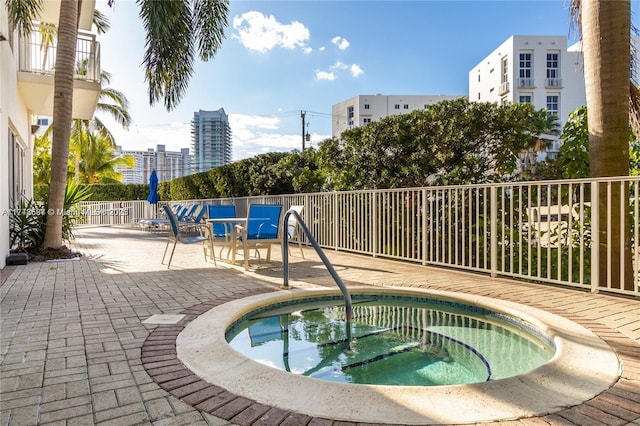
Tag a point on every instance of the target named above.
point(302, 115)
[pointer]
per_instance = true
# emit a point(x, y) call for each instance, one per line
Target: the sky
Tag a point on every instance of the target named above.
point(283, 57)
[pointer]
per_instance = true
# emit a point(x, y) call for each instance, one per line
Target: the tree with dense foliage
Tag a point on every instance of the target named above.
point(451, 142)
point(175, 31)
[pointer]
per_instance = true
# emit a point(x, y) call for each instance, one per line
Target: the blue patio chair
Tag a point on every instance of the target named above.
point(219, 234)
point(261, 230)
point(176, 236)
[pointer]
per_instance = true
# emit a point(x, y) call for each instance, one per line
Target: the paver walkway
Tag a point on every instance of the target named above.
point(73, 338)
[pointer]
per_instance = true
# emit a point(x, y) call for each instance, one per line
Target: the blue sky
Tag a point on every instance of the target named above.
point(281, 57)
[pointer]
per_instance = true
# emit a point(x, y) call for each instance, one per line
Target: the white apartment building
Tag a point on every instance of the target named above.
point(363, 109)
point(26, 92)
point(210, 140)
point(167, 164)
point(540, 70)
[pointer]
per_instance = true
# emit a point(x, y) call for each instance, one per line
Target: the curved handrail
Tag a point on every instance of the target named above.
point(323, 257)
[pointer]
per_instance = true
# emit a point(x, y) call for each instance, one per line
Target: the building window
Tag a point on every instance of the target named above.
point(366, 120)
point(396, 106)
point(478, 78)
point(350, 112)
point(366, 106)
point(553, 105)
point(525, 70)
point(553, 67)
point(406, 106)
point(525, 99)
point(504, 101)
point(505, 70)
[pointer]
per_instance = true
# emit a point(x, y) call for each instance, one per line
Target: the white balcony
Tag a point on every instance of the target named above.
point(504, 87)
point(37, 54)
point(527, 83)
point(553, 82)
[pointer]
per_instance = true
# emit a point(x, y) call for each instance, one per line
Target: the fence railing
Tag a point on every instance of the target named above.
point(534, 231)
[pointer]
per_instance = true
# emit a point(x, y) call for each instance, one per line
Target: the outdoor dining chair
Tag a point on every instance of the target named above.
point(176, 236)
point(219, 233)
point(261, 230)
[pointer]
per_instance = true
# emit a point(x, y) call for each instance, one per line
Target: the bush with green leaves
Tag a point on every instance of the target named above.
point(28, 221)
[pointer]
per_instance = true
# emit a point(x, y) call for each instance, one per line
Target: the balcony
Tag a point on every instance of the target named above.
point(37, 54)
point(555, 83)
point(526, 83)
point(504, 87)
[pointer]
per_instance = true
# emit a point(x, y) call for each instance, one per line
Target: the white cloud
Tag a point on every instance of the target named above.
point(307, 50)
point(356, 71)
point(262, 33)
point(339, 66)
point(324, 75)
point(342, 43)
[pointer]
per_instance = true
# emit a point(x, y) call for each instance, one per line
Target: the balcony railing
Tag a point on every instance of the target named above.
point(526, 83)
point(38, 53)
point(553, 82)
point(504, 87)
point(532, 231)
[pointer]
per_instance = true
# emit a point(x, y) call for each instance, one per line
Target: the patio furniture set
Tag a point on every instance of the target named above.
point(224, 229)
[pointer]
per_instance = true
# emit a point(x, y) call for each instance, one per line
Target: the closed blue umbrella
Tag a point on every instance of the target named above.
point(153, 197)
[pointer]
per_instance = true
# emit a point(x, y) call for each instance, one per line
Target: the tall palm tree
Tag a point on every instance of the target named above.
point(176, 30)
point(606, 36)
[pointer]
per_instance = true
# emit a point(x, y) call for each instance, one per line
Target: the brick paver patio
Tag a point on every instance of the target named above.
point(75, 349)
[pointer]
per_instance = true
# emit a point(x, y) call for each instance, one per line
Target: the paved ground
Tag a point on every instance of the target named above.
point(75, 349)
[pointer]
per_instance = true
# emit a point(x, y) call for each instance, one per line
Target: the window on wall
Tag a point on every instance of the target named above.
point(505, 70)
point(350, 112)
point(525, 72)
point(525, 65)
point(553, 105)
point(366, 106)
point(396, 106)
point(525, 98)
point(16, 171)
point(553, 65)
point(366, 120)
point(406, 106)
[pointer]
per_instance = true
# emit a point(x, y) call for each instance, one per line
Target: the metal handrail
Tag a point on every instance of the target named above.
point(323, 257)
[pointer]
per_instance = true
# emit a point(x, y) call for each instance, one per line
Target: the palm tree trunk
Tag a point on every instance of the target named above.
point(606, 42)
point(62, 115)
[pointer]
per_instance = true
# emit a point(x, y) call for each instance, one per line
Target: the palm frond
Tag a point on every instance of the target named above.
point(209, 22)
point(101, 22)
point(169, 55)
point(22, 12)
point(575, 18)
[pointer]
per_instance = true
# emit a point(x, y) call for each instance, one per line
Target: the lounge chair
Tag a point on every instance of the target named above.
point(176, 236)
point(261, 230)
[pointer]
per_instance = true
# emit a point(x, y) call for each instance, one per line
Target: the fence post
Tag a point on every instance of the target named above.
point(493, 213)
point(595, 236)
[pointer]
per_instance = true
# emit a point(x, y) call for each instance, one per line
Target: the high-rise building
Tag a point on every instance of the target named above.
point(167, 164)
point(363, 109)
point(540, 70)
point(210, 140)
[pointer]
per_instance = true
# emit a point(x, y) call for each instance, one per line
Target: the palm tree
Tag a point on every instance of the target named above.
point(606, 36)
point(176, 30)
point(97, 164)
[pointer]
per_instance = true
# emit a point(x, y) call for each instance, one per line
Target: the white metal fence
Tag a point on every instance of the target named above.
point(533, 231)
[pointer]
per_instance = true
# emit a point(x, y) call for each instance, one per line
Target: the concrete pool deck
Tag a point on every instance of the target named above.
point(76, 349)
